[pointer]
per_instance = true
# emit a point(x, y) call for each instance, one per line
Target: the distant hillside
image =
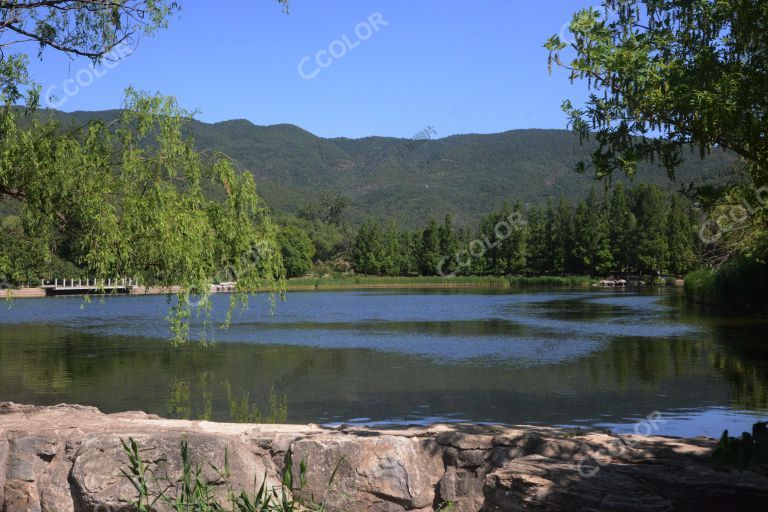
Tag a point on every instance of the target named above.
point(412, 180)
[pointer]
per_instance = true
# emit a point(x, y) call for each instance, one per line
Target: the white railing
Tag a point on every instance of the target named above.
point(90, 284)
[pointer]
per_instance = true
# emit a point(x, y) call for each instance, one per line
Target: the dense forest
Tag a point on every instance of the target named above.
point(641, 230)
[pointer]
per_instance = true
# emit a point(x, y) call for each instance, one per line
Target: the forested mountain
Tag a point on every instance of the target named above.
point(413, 180)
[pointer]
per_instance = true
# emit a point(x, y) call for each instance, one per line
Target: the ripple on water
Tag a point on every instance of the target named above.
point(638, 316)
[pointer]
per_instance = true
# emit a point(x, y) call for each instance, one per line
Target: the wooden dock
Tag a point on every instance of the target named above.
point(123, 286)
point(88, 286)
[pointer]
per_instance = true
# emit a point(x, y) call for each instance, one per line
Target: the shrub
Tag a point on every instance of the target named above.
point(193, 491)
point(743, 452)
point(739, 284)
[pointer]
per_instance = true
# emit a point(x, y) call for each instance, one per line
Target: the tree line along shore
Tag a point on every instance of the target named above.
point(642, 230)
point(638, 235)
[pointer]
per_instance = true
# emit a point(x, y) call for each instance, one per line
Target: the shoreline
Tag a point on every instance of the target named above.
point(360, 283)
point(303, 284)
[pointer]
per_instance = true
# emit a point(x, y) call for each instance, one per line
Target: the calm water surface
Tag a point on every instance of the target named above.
point(591, 358)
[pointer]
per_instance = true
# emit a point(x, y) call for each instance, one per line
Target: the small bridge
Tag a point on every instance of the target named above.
point(88, 286)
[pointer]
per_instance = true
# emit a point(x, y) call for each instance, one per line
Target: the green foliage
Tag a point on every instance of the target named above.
point(243, 411)
point(537, 256)
point(644, 232)
point(429, 256)
point(505, 242)
point(330, 283)
point(194, 491)
point(125, 197)
point(667, 77)
point(563, 281)
point(368, 252)
point(561, 238)
point(25, 262)
point(692, 71)
point(359, 281)
point(699, 284)
point(297, 250)
point(465, 173)
point(621, 227)
point(89, 30)
point(592, 244)
point(179, 399)
point(128, 200)
point(329, 209)
point(682, 256)
point(743, 452)
point(650, 240)
point(328, 240)
point(241, 408)
point(735, 225)
point(738, 284)
point(448, 243)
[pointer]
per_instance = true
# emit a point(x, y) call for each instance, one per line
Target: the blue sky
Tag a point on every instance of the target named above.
point(458, 66)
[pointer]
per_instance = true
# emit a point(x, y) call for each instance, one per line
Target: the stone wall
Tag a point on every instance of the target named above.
point(68, 458)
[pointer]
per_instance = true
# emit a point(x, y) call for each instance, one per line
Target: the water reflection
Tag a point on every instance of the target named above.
point(578, 358)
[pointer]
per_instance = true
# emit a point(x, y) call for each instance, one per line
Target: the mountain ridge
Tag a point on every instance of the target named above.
point(465, 175)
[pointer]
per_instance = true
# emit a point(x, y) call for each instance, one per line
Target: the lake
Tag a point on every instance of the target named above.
point(604, 358)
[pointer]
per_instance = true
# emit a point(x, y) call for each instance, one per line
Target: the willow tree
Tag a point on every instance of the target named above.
point(131, 197)
point(668, 76)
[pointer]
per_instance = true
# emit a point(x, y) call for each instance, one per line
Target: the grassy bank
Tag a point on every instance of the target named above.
point(739, 285)
point(568, 281)
point(351, 282)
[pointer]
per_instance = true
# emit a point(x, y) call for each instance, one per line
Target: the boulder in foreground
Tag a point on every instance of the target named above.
point(68, 458)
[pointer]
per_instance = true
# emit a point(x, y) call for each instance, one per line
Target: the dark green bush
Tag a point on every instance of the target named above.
point(739, 284)
point(743, 452)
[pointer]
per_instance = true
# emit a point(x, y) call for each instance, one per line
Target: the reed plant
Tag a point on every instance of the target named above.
point(194, 492)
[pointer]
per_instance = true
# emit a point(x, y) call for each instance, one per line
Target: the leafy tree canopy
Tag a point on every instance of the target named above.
point(669, 75)
point(297, 250)
point(695, 72)
point(124, 198)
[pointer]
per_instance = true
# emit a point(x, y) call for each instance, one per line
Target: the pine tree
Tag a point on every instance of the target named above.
point(603, 262)
point(621, 227)
point(391, 257)
point(680, 237)
point(536, 249)
point(449, 246)
point(650, 209)
point(550, 239)
point(409, 252)
point(429, 250)
point(592, 244)
point(367, 249)
point(562, 239)
point(514, 245)
point(485, 250)
point(582, 240)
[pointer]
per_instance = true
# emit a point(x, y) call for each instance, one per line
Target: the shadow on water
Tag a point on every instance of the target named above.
point(577, 358)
